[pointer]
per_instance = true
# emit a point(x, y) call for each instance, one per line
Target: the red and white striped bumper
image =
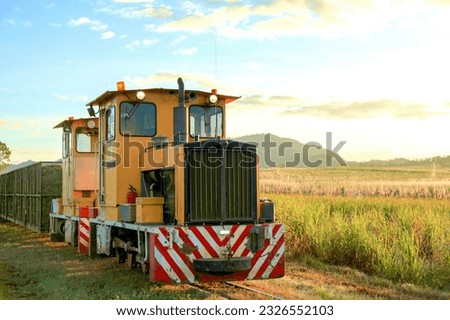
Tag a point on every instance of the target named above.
point(83, 235)
point(173, 250)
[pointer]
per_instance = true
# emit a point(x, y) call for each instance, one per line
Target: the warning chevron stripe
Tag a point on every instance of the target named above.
point(214, 234)
point(262, 258)
point(275, 260)
point(184, 238)
point(170, 258)
point(238, 246)
point(175, 248)
point(204, 243)
point(83, 235)
point(267, 259)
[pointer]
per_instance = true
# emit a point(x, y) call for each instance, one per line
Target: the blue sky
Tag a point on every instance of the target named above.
point(375, 73)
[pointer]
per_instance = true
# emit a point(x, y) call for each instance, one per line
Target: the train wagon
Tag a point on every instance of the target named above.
point(27, 193)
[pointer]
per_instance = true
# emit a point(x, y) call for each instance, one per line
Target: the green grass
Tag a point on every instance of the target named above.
point(402, 239)
point(31, 267)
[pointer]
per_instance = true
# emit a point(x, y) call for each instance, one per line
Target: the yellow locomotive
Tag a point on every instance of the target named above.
point(151, 178)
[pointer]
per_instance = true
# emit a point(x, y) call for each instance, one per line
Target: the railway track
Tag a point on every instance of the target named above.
point(233, 291)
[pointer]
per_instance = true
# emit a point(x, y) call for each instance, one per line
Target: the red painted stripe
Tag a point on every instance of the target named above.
point(83, 236)
point(164, 231)
point(266, 243)
point(183, 236)
point(204, 242)
point(212, 232)
point(269, 257)
point(165, 253)
point(259, 253)
point(183, 257)
point(276, 227)
point(278, 270)
point(241, 238)
point(84, 225)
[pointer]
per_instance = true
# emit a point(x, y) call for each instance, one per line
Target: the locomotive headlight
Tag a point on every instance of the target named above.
point(213, 99)
point(91, 124)
point(140, 95)
point(224, 232)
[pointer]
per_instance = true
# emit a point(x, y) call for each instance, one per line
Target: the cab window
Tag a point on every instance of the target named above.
point(205, 122)
point(85, 139)
point(138, 119)
point(67, 143)
point(110, 123)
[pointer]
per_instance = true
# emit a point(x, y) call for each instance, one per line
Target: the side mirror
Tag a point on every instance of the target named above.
point(91, 111)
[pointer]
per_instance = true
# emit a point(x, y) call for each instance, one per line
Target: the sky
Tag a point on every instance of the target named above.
point(374, 73)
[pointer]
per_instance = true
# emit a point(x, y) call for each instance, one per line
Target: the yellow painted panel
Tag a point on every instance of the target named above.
point(149, 209)
point(85, 172)
point(112, 214)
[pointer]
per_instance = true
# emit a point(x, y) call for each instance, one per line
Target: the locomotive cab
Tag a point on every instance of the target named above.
point(79, 145)
point(144, 135)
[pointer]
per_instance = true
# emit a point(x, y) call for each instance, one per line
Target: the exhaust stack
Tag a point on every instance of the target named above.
point(180, 117)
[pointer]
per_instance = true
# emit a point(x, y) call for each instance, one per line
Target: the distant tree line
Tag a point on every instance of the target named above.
point(439, 162)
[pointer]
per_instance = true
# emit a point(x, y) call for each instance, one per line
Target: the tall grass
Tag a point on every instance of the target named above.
point(348, 181)
point(405, 240)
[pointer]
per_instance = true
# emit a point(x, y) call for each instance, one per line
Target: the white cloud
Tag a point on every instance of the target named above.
point(11, 22)
point(139, 10)
point(179, 39)
point(141, 43)
point(80, 21)
point(366, 110)
point(187, 51)
point(328, 19)
point(66, 97)
point(62, 97)
point(93, 24)
point(168, 79)
point(108, 35)
point(191, 7)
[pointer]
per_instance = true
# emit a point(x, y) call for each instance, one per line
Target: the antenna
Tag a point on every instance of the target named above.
point(215, 63)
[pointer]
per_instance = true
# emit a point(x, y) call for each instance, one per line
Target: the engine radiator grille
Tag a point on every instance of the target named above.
point(220, 182)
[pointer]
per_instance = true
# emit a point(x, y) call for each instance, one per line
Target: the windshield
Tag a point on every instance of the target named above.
point(86, 139)
point(205, 122)
point(138, 119)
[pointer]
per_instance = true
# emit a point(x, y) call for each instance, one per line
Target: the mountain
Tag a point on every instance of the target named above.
point(276, 151)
